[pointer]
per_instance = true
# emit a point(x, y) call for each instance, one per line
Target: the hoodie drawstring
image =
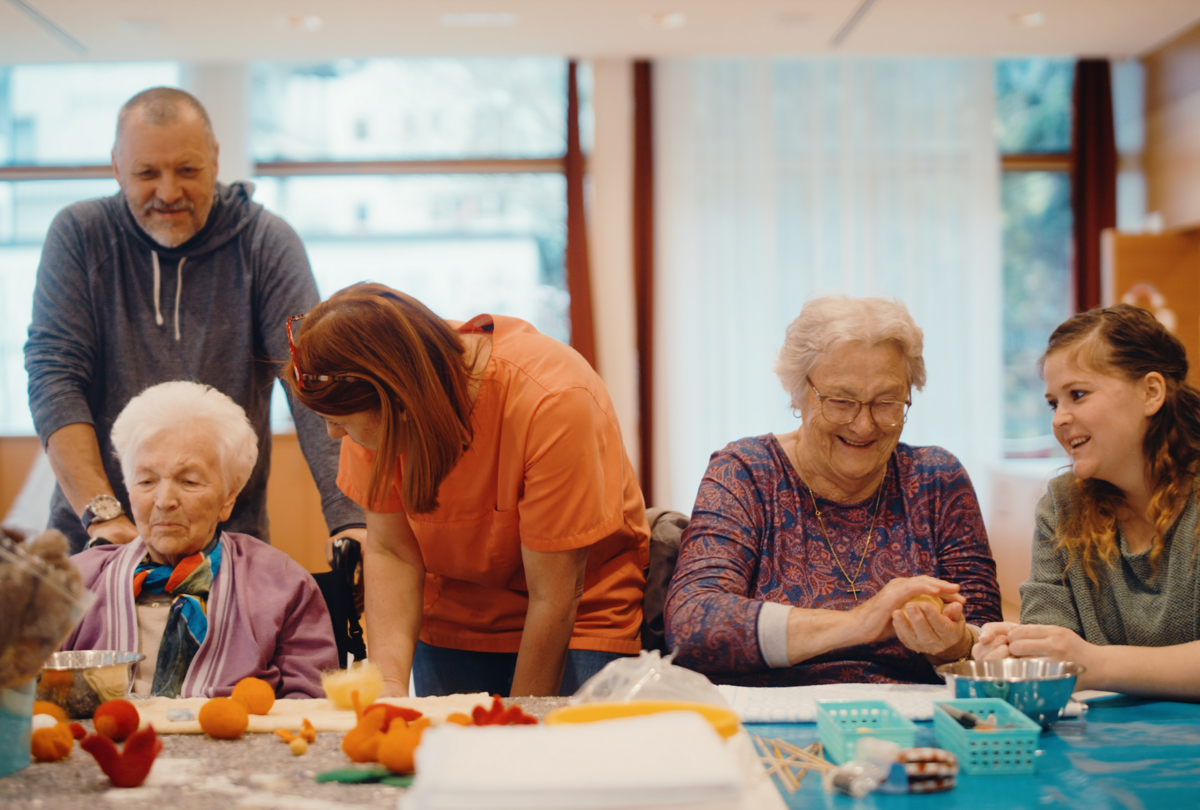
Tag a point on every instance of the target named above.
point(158, 318)
point(178, 293)
point(157, 287)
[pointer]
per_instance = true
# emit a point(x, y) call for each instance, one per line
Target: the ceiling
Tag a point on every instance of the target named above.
point(236, 30)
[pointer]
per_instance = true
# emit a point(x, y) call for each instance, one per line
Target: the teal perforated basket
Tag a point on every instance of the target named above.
point(842, 723)
point(980, 753)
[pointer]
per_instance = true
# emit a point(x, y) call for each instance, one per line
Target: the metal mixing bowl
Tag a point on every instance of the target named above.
point(1038, 687)
point(81, 680)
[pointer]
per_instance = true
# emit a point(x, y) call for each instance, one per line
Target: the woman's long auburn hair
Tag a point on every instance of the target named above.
point(408, 364)
point(1128, 342)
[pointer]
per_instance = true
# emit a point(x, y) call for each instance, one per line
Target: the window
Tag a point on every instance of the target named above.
point(442, 177)
point(1033, 131)
point(439, 177)
point(56, 132)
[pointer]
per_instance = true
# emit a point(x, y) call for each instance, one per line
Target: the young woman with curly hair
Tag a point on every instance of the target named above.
point(1113, 584)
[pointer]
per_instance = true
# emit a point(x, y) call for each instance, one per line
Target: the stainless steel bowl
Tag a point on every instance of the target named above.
point(1037, 687)
point(81, 680)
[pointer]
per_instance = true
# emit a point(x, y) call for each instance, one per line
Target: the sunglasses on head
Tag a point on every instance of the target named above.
point(301, 378)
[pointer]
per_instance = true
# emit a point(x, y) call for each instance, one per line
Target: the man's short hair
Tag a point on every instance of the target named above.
point(161, 106)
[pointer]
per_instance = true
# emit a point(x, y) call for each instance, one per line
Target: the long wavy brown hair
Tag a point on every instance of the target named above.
point(404, 362)
point(1127, 341)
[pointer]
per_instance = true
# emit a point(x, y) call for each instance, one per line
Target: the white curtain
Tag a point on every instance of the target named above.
point(777, 180)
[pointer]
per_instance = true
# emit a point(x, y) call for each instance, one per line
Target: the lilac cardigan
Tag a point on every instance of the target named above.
point(266, 618)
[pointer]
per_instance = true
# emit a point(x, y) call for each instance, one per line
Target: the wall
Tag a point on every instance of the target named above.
point(17, 454)
point(1172, 156)
point(294, 507)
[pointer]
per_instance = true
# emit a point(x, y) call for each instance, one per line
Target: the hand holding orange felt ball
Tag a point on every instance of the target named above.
point(116, 719)
point(932, 599)
point(255, 694)
point(52, 744)
point(223, 719)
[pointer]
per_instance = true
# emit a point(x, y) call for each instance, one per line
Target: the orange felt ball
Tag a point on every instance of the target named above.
point(255, 694)
point(398, 749)
point(223, 719)
point(52, 744)
point(52, 709)
point(116, 719)
point(458, 718)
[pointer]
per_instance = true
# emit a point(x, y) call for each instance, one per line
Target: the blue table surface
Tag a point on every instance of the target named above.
point(1123, 753)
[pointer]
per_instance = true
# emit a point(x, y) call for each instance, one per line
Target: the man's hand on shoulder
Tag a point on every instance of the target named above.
point(117, 531)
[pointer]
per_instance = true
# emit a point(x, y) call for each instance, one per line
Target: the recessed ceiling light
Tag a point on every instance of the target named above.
point(1029, 19)
point(502, 19)
point(306, 22)
point(668, 20)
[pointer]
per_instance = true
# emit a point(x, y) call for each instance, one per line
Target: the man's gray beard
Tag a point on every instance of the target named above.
point(171, 235)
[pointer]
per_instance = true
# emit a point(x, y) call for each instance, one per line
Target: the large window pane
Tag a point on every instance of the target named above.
point(1033, 105)
point(26, 210)
point(462, 244)
point(1037, 297)
point(67, 114)
point(409, 109)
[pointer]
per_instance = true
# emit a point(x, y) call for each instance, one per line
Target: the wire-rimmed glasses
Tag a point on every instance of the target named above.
point(843, 410)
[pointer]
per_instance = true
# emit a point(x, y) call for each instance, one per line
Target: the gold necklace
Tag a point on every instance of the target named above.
point(852, 589)
point(821, 522)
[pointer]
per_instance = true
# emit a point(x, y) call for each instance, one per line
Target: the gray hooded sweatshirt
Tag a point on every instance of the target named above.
point(114, 312)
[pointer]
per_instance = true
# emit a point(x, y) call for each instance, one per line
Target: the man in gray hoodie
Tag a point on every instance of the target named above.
point(175, 277)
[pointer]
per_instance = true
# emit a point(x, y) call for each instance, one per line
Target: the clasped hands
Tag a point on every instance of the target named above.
point(1012, 640)
point(920, 626)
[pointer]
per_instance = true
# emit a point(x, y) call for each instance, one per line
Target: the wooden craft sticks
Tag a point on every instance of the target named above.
point(790, 761)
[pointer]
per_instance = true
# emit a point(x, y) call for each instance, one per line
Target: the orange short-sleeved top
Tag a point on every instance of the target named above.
point(546, 469)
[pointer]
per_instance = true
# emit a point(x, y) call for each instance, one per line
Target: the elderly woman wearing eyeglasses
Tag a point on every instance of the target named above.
point(834, 553)
point(506, 533)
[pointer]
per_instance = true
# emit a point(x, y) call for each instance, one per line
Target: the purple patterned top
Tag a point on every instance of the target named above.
point(753, 537)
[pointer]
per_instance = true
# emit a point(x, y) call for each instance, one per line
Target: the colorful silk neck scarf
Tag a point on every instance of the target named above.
point(188, 583)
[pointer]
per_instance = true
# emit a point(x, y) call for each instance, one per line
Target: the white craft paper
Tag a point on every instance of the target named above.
point(661, 760)
point(798, 704)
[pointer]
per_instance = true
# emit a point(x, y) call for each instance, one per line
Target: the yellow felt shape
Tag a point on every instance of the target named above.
point(362, 677)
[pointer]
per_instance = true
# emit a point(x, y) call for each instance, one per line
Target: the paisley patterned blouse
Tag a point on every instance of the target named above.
point(754, 538)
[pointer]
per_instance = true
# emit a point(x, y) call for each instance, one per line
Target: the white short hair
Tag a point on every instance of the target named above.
point(180, 405)
point(826, 324)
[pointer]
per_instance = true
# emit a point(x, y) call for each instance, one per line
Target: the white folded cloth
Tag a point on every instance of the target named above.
point(663, 760)
point(798, 704)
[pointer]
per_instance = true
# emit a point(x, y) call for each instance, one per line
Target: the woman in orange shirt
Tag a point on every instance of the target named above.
point(506, 533)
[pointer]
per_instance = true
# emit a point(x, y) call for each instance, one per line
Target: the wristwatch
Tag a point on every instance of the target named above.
point(100, 509)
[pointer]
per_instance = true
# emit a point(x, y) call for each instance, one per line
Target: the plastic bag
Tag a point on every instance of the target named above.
point(649, 676)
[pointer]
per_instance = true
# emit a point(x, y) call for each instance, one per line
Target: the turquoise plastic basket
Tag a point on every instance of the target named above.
point(1004, 751)
point(842, 723)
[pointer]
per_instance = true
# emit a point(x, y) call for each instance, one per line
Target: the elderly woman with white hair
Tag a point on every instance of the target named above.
point(208, 608)
point(806, 550)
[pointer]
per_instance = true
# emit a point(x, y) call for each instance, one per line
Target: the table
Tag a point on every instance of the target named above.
point(257, 771)
point(1124, 754)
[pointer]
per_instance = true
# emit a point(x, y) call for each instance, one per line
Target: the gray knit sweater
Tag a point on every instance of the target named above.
point(1131, 606)
point(115, 312)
